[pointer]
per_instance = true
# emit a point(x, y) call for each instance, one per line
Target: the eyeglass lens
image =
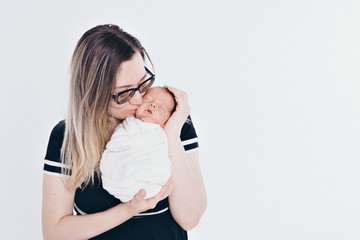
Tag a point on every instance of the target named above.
point(143, 87)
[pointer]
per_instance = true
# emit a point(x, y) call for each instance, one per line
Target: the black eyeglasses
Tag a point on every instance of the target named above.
point(124, 96)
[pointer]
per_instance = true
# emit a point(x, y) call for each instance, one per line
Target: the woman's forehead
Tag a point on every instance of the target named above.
point(131, 72)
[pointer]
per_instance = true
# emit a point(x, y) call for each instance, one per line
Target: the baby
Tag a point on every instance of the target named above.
point(136, 157)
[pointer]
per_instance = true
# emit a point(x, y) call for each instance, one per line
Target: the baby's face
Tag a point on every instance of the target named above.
point(156, 107)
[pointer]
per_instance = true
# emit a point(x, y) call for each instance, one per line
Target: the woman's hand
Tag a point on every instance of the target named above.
point(139, 204)
point(176, 121)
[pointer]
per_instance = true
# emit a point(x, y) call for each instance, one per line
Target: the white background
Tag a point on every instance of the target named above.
point(274, 90)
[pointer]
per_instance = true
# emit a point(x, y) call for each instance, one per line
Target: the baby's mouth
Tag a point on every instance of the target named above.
point(149, 111)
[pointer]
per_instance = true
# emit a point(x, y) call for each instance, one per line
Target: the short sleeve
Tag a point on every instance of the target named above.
point(52, 162)
point(189, 137)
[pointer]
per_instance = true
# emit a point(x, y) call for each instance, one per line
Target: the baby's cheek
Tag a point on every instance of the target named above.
point(138, 112)
point(161, 118)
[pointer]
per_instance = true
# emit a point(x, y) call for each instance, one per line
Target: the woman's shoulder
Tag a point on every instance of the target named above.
point(188, 136)
point(55, 142)
point(57, 133)
point(60, 126)
point(52, 161)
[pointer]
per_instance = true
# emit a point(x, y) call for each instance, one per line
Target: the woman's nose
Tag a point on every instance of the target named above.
point(136, 99)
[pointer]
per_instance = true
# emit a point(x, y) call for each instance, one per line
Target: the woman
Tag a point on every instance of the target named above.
point(107, 83)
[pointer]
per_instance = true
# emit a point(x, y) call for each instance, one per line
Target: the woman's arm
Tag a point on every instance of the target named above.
point(58, 221)
point(188, 199)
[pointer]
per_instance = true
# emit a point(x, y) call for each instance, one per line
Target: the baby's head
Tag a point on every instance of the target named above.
point(158, 105)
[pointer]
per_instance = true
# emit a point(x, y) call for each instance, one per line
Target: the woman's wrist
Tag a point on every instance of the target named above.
point(129, 209)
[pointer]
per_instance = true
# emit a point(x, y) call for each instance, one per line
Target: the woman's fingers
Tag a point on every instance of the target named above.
point(179, 94)
point(175, 123)
point(181, 100)
point(140, 195)
point(140, 204)
point(166, 189)
point(164, 192)
point(137, 199)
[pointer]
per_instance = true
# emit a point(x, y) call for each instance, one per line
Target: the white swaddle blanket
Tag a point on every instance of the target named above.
point(136, 157)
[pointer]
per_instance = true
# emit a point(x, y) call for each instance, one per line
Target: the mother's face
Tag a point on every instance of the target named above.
point(131, 74)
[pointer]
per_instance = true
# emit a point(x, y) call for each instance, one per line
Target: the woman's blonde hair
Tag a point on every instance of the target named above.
point(95, 64)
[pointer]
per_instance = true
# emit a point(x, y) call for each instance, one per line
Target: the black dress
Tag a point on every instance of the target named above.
point(154, 224)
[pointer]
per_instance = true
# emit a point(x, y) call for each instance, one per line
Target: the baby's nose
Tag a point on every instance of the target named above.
point(152, 105)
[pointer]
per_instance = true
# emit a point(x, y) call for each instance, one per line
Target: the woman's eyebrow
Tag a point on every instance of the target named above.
point(125, 86)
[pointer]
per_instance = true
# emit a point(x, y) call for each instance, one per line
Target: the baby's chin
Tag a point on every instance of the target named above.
point(147, 119)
